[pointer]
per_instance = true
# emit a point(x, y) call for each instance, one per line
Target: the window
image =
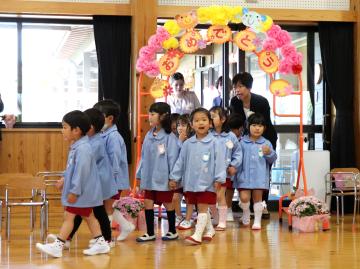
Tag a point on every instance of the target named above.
point(48, 68)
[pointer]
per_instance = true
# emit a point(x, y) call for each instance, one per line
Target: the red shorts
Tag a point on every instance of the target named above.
point(179, 190)
point(117, 196)
point(159, 197)
point(204, 197)
point(81, 211)
point(228, 184)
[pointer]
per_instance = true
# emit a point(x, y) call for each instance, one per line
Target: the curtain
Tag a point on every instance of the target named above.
point(337, 53)
point(113, 47)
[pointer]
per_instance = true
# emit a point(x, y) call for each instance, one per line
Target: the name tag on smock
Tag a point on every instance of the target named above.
point(161, 149)
point(229, 144)
point(206, 157)
point(261, 154)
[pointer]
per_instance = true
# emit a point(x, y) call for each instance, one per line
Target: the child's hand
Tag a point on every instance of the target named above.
point(217, 185)
point(266, 150)
point(60, 183)
point(182, 136)
point(71, 198)
point(231, 170)
point(172, 184)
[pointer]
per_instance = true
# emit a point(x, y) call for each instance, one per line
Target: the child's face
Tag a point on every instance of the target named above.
point(154, 119)
point(217, 121)
point(173, 127)
point(70, 134)
point(201, 124)
point(237, 132)
point(256, 130)
point(182, 128)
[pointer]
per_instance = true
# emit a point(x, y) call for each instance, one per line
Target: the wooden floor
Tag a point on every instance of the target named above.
point(272, 247)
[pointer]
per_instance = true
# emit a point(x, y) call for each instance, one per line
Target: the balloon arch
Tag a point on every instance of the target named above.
point(262, 37)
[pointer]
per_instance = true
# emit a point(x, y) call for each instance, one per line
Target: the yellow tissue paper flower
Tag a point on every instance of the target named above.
point(203, 14)
point(236, 14)
point(267, 24)
point(171, 43)
point(172, 27)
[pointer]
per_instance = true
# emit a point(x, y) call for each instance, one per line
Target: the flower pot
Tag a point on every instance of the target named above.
point(310, 224)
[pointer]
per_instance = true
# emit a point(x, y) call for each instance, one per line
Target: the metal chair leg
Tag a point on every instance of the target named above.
point(337, 209)
point(31, 219)
point(8, 212)
point(47, 216)
point(42, 224)
point(355, 209)
point(342, 206)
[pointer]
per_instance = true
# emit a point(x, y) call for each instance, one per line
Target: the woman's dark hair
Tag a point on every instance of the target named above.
point(235, 121)
point(244, 78)
point(256, 118)
point(164, 111)
point(96, 118)
point(177, 76)
point(185, 119)
point(79, 119)
point(109, 108)
point(200, 110)
point(223, 114)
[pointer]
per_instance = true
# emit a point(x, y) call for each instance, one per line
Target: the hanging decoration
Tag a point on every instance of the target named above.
point(177, 37)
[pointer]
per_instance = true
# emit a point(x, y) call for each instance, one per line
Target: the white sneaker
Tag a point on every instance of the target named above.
point(178, 220)
point(92, 242)
point(229, 216)
point(125, 231)
point(53, 249)
point(53, 237)
point(185, 225)
point(100, 247)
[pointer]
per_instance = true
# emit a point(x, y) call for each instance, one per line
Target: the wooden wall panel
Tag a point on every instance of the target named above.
point(32, 150)
point(62, 8)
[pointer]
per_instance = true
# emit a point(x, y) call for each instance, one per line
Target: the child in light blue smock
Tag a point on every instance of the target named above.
point(159, 153)
point(108, 184)
point(81, 190)
point(116, 151)
point(201, 167)
point(184, 132)
point(258, 155)
point(235, 123)
point(233, 158)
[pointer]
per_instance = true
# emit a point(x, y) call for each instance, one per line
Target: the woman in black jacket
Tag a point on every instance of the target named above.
point(246, 103)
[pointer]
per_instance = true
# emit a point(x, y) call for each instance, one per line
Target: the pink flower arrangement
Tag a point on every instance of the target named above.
point(129, 206)
point(147, 55)
point(307, 206)
point(279, 39)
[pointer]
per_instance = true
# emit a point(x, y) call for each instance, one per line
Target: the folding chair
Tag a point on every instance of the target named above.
point(21, 190)
point(50, 178)
point(342, 182)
